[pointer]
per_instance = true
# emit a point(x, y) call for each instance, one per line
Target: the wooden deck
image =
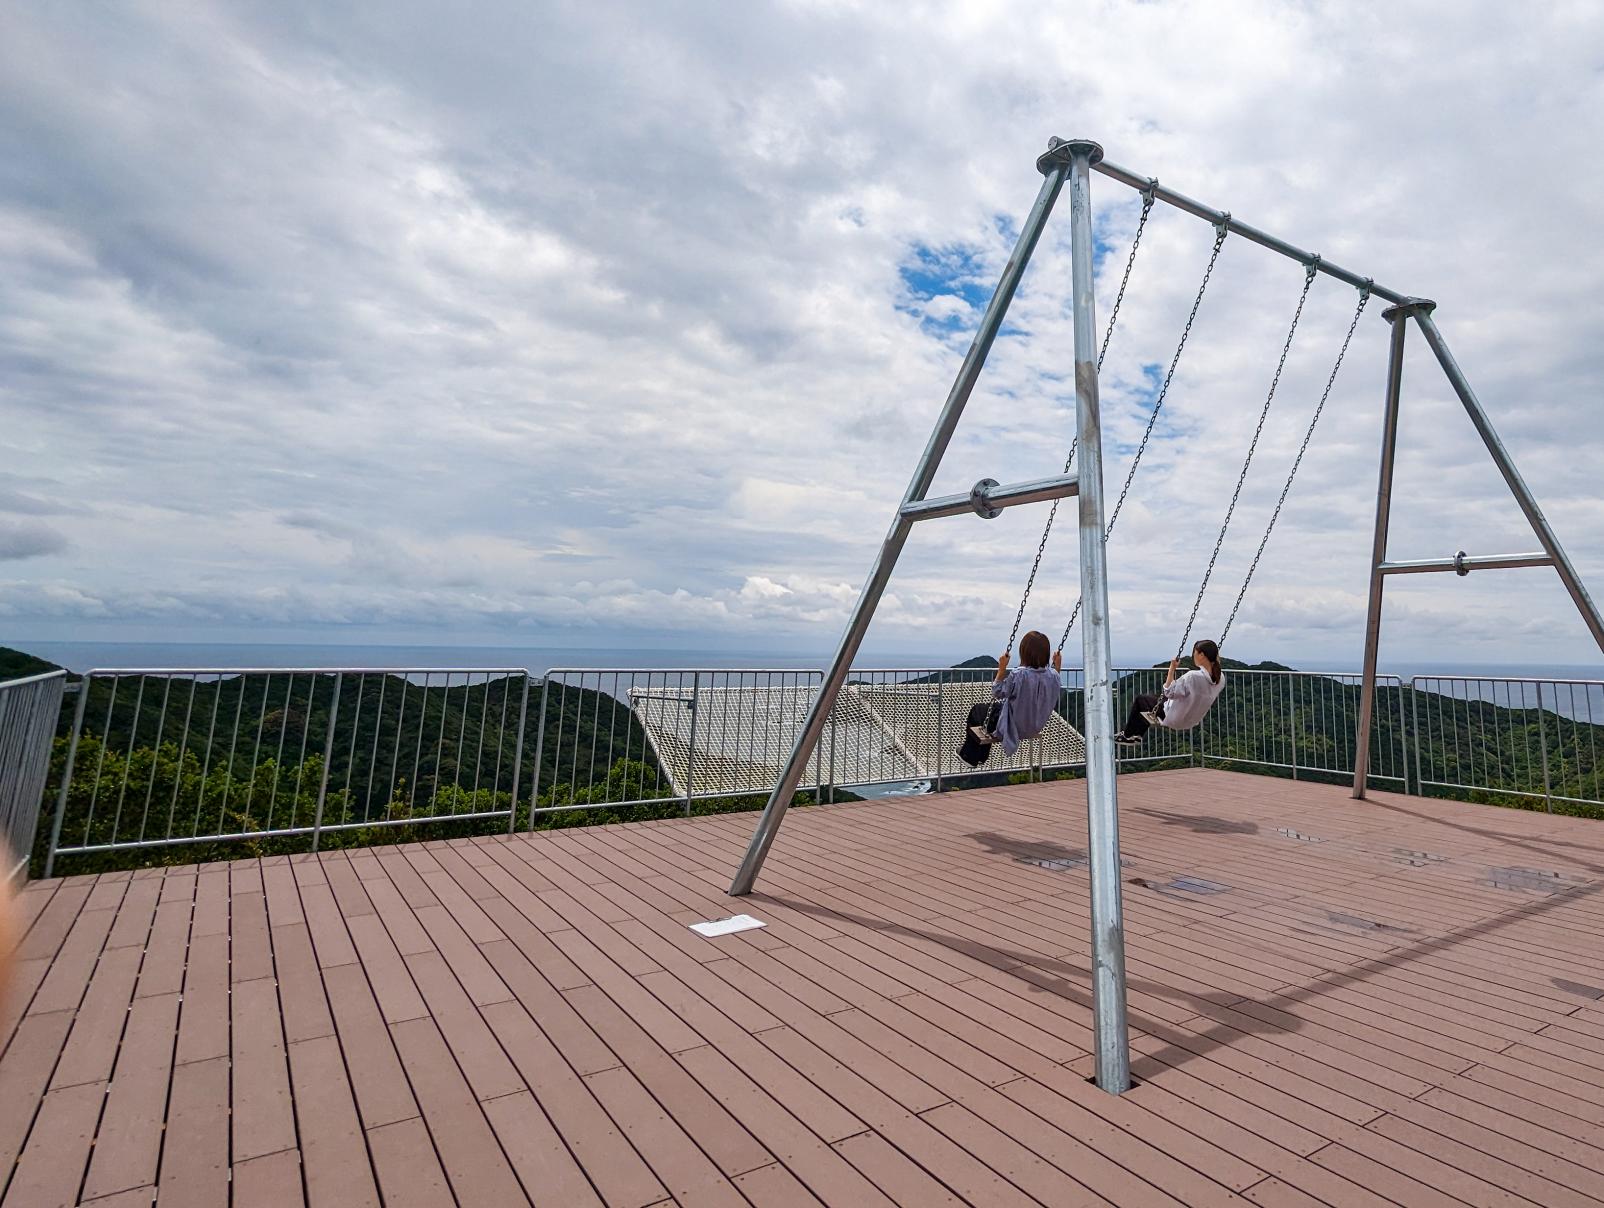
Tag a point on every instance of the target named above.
point(1333, 1002)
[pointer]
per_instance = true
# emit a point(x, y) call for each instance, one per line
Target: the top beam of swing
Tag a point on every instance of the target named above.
point(1263, 238)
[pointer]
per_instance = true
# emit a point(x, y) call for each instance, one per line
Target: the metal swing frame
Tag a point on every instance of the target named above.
point(1072, 162)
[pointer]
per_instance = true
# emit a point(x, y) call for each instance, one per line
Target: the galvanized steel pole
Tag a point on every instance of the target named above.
point(886, 560)
point(1517, 484)
point(1378, 549)
point(1102, 805)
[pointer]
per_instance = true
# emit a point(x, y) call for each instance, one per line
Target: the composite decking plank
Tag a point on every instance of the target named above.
point(543, 1164)
point(271, 1181)
point(25, 1074)
point(615, 1169)
point(719, 1134)
point(383, 1094)
point(1340, 1024)
point(409, 1170)
point(469, 1151)
point(195, 1161)
point(128, 1144)
point(334, 1152)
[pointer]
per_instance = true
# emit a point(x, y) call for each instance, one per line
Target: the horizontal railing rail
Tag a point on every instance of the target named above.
point(172, 758)
point(29, 708)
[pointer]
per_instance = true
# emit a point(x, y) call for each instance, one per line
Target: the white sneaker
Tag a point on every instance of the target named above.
point(1126, 740)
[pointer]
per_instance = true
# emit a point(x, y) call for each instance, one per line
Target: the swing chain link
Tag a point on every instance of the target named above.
point(1364, 298)
point(1221, 230)
point(1148, 197)
point(1309, 272)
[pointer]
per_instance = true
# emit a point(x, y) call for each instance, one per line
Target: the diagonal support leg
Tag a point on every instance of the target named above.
point(1512, 476)
point(885, 562)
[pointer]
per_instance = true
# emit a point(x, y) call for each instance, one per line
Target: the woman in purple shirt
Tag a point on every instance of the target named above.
point(1022, 701)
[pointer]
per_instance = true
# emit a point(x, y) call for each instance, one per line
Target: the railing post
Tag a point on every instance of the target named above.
point(1542, 744)
point(66, 774)
point(690, 752)
point(941, 725)
point(328, 754)
point(517, 755)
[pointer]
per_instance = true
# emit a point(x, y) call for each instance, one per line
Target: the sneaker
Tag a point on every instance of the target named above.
point(1126, 740)
point(1153, 719)
point(982, 734)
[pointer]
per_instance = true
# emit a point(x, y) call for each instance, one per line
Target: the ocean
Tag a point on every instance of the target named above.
point(83, 656)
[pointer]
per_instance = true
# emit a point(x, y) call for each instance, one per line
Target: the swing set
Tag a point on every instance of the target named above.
point(1072, 163)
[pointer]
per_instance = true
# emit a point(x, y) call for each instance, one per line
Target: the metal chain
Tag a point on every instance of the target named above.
point(1108, 334)
point(1264, 412)
point(1221, 230)
point(1364, 297)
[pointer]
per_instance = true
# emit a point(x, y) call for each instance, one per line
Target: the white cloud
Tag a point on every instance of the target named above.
point(559, 318)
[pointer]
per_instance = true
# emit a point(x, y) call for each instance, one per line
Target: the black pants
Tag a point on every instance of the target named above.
point(974, 752)
point(1136, 725)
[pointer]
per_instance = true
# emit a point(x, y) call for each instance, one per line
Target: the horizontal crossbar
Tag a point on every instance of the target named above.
point(1464, 563)
point(1263, 238)
point(987, 500)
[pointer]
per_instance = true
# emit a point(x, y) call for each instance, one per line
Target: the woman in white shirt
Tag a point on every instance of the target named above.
point(1183, 702)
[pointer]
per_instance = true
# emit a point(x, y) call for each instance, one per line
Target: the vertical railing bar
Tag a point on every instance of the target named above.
point(66, 775)
point(484, 725)
point(100, 765)
point(579, 708)
point(306, 732)
point(1414, 718)
point(395, 749)
point(373, 753)
point(518, 751)
point(356, 724)
point(155, 757)
point(328, 756)
point(278, 759)
point(595, 723)
point(233, 737)
point(256, 748)
point(128, 757)
point(1542, 742)
point(631, 721)
point(690, 756)
point(540, 747)
point(417, 749)
point(433, 808)
point(183, 749)
point(206, 762)
point(612, 731)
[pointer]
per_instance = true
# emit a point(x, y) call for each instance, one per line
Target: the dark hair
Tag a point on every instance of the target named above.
point(1035, 649)
point(1211, 652)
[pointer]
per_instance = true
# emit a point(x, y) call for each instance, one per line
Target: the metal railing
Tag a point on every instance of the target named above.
point(619, 738)
point(165, 757)
point(29, 708)
point(1503, 739)
point(1305, 722)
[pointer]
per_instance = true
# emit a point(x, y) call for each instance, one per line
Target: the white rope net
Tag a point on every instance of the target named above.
point(879, 733)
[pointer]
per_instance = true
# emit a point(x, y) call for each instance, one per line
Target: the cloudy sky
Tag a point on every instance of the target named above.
point(600, 323)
